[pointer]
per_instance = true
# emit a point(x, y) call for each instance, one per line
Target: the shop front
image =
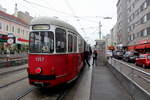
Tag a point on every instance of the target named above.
point(22, 45)
point(3, 43)
point(142, 46)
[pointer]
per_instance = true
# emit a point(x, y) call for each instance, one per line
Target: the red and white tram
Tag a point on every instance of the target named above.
point(56, 52)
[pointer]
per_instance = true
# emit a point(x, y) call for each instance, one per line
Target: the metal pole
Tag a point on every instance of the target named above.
point(100, 29)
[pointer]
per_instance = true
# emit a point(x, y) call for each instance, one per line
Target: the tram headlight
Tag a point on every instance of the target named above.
point(38, 70)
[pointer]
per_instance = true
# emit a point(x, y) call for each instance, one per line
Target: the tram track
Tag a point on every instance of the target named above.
point(8, 84)
point(59, 97)
point(12, 71)
point(25, 93)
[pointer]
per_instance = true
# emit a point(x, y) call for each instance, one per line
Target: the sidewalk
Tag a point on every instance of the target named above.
point(105, 86)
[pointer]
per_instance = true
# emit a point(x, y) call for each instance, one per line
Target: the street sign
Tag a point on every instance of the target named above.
point(10, 41)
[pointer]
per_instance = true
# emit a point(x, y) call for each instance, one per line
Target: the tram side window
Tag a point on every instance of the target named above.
point(60, 40)
point(51, 42)
point(80, 45)
point(70, 43)
point(75, 44)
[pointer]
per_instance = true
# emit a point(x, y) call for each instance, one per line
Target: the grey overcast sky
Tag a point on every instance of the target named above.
point(82, 14)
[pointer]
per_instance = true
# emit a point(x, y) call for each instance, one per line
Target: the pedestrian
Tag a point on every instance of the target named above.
point(94, 57)
point(86, 59)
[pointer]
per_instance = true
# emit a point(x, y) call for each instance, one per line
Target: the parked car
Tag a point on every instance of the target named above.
point(130, 56)
point(143, 60)
point(118, 54)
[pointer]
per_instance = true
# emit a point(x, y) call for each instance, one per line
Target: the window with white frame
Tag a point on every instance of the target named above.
point(145, 19)
point(145, 5)
point(18, 30)
point(7, 28)
point(13, 29)
point(145, 32)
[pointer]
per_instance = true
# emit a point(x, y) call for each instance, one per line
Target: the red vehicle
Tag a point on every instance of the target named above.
point(143, 60)
point(56, 52)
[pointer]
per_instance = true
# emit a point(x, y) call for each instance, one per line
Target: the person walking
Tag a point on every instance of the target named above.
point(94, 57)
point(86, 55)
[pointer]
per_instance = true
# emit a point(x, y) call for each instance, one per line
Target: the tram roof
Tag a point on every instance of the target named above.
point(52, 21)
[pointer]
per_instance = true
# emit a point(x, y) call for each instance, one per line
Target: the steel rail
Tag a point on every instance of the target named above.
point(13, 82)
point(25, 93)
point(139, 70)
point(12, 71)
point(61, 95)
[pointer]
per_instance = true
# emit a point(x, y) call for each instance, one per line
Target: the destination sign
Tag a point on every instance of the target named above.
point(40, 27)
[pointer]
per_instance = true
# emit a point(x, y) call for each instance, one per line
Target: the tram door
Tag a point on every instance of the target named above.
point(72, 54)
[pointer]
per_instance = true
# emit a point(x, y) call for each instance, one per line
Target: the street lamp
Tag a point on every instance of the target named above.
point(100, 25)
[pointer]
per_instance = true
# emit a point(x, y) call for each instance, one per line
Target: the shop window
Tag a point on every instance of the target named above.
point(60, 40)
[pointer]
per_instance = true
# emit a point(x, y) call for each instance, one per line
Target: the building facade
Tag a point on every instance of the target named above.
point(12, 25)
point(113, 32)
point(108, 42)
point(139, 21)
point(24, 16)
point(122, 22)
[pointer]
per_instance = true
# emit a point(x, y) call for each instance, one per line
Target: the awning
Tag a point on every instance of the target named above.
point(131, 47)
point(22, 40)
point(147, 45)
point(141, 46)
point(111, 47)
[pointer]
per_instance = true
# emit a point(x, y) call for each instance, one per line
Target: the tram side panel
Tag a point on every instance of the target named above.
point(72, 66)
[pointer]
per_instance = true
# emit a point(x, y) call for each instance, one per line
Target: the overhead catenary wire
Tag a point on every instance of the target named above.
point(46, 7)
point(73, 12)
point(54, 10)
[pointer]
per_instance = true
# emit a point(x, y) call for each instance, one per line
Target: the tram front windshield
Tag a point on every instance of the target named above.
point(41, 42)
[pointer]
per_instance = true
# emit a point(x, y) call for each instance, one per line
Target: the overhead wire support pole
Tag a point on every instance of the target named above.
point(100, 29)
point(100, 25)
